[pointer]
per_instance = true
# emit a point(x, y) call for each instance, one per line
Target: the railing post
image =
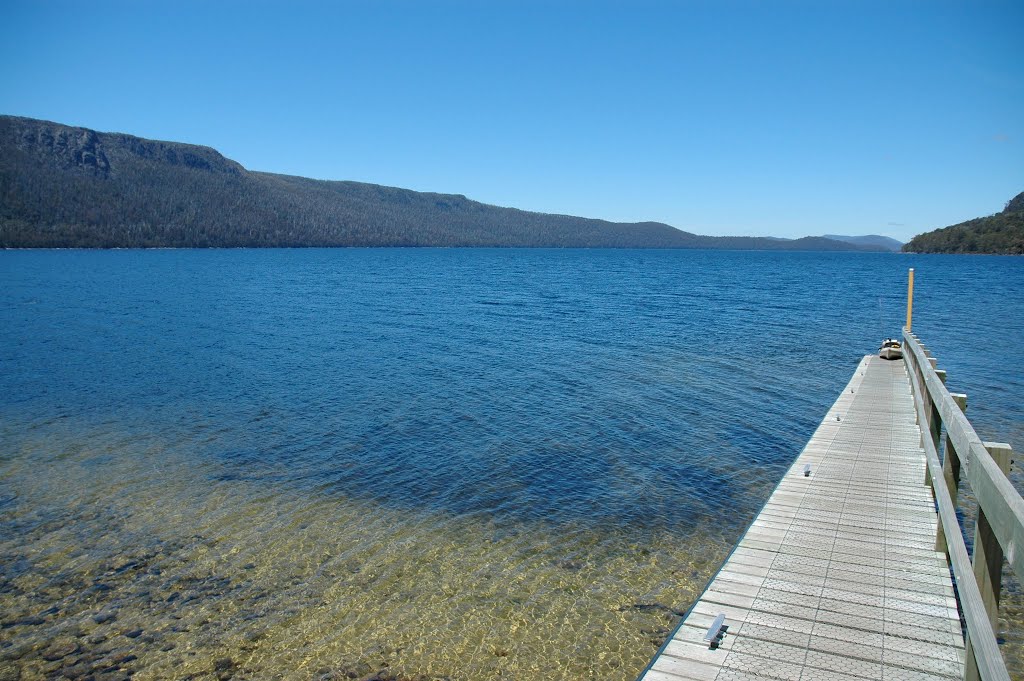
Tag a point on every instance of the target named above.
point(934, 418)
point(936, 430)
point(988, 561)
point(916, 373)
point(950, 473)
point(926, 399)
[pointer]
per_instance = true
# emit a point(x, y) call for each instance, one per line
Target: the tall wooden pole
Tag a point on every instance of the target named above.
point(910, 298)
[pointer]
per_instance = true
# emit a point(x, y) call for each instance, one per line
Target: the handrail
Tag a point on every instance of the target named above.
point(996, 495)
point(998, 501)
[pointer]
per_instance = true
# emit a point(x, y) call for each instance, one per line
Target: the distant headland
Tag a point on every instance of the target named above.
point(71, 187)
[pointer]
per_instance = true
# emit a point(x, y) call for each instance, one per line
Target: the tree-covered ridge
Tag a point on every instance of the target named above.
point(63, 186)
point(1002, 233)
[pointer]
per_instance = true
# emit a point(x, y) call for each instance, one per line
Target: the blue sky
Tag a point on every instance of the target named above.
point(763, 118)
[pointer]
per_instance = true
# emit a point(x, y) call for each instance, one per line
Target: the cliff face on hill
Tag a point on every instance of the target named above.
point(62, 186)
point(1001, 233)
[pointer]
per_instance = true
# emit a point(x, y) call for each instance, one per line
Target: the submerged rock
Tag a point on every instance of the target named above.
point(61, 648)
point(78, 670)
point(105, 616)
point(224, 668)
point(25, 622)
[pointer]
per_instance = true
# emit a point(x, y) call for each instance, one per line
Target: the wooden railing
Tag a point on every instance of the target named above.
point(999, 531)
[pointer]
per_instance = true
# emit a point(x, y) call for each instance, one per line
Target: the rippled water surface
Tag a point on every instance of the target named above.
point(461, 464)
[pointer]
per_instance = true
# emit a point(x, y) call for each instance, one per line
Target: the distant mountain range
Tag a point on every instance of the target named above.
point(1001, 233)
point(63, 186)
point(878, 240)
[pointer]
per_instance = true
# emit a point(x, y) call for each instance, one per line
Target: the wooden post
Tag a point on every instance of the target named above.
point(924, 396)
point(916, 395)
point(935, 419)
point(950, 473)
point(932, 414)
point(988, 561)
point(910, 298)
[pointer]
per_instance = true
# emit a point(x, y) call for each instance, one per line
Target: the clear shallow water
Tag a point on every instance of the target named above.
point(472, 464)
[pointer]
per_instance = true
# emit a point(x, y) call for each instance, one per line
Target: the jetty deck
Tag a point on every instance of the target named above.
point(838, 577)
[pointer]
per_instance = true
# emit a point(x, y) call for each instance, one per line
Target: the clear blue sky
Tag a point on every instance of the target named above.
point(767, 118)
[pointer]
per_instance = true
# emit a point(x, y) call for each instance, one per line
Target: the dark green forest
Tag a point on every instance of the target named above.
point(1002, 233)
point(70, 187)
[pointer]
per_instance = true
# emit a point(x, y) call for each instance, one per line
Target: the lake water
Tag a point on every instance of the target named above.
point(458, 464)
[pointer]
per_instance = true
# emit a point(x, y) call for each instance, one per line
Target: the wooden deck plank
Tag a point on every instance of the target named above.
point(837, 577)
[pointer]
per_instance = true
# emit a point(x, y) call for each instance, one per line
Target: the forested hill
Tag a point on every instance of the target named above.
point(63, 186)
point(1002, 233)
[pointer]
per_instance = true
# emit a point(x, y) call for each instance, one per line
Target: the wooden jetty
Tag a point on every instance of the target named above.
point(846, 573)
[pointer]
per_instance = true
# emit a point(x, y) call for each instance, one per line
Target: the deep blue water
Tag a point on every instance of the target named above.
point(598, 386)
